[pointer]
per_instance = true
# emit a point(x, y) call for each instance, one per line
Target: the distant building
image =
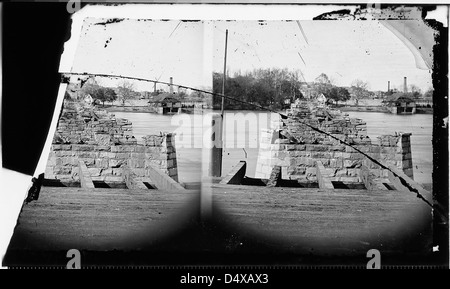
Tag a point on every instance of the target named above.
point(193, 102)
point(307, 90)
point(424, 102)
point(145, 95)
point(322, 100)
point(400, 103)
point(88, 99)
point(165, 103)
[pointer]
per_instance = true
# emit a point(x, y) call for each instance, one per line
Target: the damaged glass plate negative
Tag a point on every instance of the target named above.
point(304, 141)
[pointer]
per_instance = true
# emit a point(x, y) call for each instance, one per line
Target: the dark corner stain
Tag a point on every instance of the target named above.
point(110, 21)
point(433, 23)
point(334, 15)
point(426, 9)
point(65, 79)
point(33, 192)
point(386, 12)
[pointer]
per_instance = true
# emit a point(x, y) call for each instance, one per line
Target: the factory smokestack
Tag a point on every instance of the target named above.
point(389, 86)
point(171, 85)
point(405, 86)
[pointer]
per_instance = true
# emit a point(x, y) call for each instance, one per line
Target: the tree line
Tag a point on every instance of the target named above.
point(100, 94)
point(277, 88)
point(273, 88)
point(265, 87)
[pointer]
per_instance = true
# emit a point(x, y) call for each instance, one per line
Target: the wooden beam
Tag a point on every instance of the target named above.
point(150, 183)
point(275, 177)
point(399, 186)
point(235, 176)
point(369, 181)
point(85, 178)
point(162, 181)
point(131, 179)
point(322, 177)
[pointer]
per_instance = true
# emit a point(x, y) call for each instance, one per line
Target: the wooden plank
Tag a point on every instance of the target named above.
point(327, 219)
point(235, 176)
point(102, 219)
point(163, 181)
point(85, 178)
point(322, 177)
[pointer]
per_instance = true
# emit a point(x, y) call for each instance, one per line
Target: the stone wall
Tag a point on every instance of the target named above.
point(296, 147)
point(105, 144)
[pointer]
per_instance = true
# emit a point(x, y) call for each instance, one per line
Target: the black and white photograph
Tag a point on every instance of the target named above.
point(333, 130)
point(303, 135)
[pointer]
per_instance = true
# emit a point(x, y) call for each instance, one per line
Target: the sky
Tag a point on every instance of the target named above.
point(344, 50)
point(155, 49)
point(190, 50)
point(150, 49)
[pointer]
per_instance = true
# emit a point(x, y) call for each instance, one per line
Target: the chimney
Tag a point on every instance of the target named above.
point(389, 86)
point(154, 87)
point(171, 86)
point(405, 87)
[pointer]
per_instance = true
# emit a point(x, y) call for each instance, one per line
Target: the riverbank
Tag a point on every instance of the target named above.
point(364, 108)
point(419, 110)
point(146, 109)
point(128, 109)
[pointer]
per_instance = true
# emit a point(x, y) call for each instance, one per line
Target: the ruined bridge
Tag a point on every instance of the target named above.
point(311, 196)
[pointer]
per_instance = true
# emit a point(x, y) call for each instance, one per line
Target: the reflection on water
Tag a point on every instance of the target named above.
point(241, 141)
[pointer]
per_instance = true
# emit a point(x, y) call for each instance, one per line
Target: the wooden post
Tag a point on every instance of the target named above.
point(161, 180)
point(217, 125)
point(85, 179)
point(236, 175)
point(275, 177)
point(224, 72)
point(216, 149)
point(322, 177)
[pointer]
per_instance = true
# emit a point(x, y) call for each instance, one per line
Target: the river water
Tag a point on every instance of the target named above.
point(241, 138)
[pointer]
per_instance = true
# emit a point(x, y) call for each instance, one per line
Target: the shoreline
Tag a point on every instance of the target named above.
point(364, 108)
point(145, 109)
point(419, 110)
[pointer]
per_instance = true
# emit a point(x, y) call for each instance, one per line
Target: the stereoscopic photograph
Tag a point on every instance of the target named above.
point(305, 139)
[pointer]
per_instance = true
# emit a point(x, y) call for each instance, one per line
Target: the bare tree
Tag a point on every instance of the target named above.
point(323, 79)
point(359, 90)
point(429, 93)
point(415, 91)
point(322, 85)
point(125, 91)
